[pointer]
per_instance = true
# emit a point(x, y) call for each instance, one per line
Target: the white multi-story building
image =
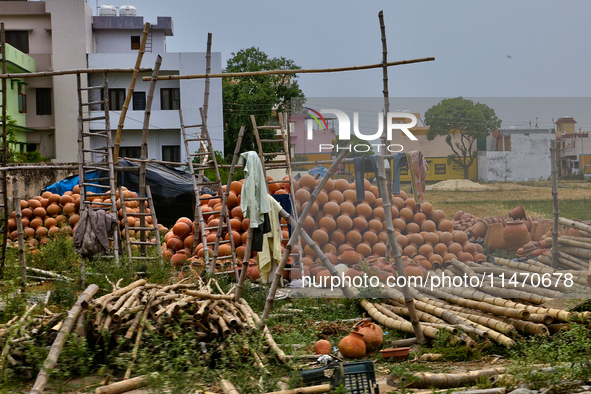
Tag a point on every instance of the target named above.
point(63, 34)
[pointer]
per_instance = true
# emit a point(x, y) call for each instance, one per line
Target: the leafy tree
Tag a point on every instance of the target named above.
point(466, 119)
point(14, 155)
point(255, 95)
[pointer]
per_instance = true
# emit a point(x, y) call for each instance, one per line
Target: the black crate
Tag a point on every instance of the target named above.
point(358, 377)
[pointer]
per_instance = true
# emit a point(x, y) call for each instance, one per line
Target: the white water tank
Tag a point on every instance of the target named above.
point(127, 10)
point(107, 10)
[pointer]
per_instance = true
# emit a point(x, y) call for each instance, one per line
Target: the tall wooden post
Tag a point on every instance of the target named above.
point(19, 230)
point(386, 198)
point(556, 211)
point(4, 175)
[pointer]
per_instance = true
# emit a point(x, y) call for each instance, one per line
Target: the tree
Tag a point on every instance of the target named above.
point(256, 95)
point(466, 119)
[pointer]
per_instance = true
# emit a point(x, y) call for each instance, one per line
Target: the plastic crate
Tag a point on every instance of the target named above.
point(358, 377)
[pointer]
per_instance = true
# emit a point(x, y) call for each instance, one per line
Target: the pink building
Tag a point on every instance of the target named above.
point(301, 145)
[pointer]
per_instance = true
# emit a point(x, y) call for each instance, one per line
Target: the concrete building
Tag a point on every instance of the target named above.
point(573, 154)
point(516, 155)
point(57, 34)
point(116, 45)
point(16, 98)
point(63, 34)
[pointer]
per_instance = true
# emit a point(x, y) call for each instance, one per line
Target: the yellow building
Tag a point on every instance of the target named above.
point(565, 125)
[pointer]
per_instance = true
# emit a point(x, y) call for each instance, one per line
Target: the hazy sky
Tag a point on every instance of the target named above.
point(482, 49)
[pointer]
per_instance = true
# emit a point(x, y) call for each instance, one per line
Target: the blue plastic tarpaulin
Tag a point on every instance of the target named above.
point(68, 184)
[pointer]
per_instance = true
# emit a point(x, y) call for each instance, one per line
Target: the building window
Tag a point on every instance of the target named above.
point(116, 99)
point(171, 153)
point(139, 101)
point(18, 39)
point(22, 99)
point(133, 152)
point(170, 98)
point(43, 101)
point(135, 42)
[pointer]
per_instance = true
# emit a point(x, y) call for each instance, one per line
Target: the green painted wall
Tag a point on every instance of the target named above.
point(17, 62)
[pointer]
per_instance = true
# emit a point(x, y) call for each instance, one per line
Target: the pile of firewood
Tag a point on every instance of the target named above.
point(509, 301)
point(574, 251)
point(128, 314)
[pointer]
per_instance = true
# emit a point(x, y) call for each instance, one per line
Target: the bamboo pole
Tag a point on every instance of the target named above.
point(138, 337)
point(51, 360)
point(293, 239)
point(443, 380)
point(576, 225)
point(270, 341)
point(381, 318)
point(555, 209)
point(227, 387)
point(74, 71)
point(126, 385)
point(201, 294)
point(323, 388)
point(386, 197)
point(4, 156)
point(136, 71)
point(19, 229)
point(239, 75)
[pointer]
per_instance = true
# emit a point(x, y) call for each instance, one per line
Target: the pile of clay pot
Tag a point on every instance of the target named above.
point(45, 216)
point(525, 236)
point(352, 232)
point(178, 242)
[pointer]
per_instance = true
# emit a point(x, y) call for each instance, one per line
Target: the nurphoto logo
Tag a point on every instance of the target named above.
point(344, 131)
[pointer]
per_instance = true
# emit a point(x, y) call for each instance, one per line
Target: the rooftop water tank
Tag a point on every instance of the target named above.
point(107, 10)
point(127, 10)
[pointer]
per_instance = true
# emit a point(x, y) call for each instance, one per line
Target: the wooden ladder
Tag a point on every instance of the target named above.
point(4, 156)
point(143, 242)
point(104, 153)
point(208, 161)
point(284, 163)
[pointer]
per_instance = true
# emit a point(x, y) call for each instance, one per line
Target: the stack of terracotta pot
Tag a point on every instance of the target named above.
point(45, 216)
point(351, 231)
point(178, 242)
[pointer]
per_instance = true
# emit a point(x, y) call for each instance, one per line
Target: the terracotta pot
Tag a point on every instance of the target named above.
point(373, 336)
point(352, 346)
point(399, 353)
point(344, 223)
point(532, 232)
point(353, 272)
point(479, 229)
point(517, 213)
point(496, 238)
point(322, 347)
point(458, 215)
point(414, 269)
point(252, 272)
point(515, 235)
point(350, 257)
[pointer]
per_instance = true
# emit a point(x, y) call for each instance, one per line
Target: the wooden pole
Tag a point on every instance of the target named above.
point(299, 71)
point(4, 151)
point(126, 385)
point(75, 71)
point(556, 211)
point(144, 152)
point(19, 229)
point(51, 360)
point(386, 200)
point(136, 71)
point(295, 236)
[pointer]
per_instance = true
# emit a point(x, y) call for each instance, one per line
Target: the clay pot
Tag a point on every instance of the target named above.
point(373, 336)
point(515, 235)
point(517, 213)
point(436, 261)
point(352, 346)
point(353, 272)
point(399, 353)
point(336, 197)
point(458, 215)
point(414, 269)
point(496, 239)
point(322, 347)
point(479, 229)
point(337, 237)
point(364, 210)
point(327, 224)
point(252, 272)
point(308, 182)
point(347, 209)
point(350, 257)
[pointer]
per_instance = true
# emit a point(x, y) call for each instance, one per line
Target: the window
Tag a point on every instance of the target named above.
point(22, 99)
point(116, 99)
point(170, 98)
point(135, 42)
point(43, 101)
point(139, 101)
point(134, 152)
point(171, 153)
point(18, 39)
